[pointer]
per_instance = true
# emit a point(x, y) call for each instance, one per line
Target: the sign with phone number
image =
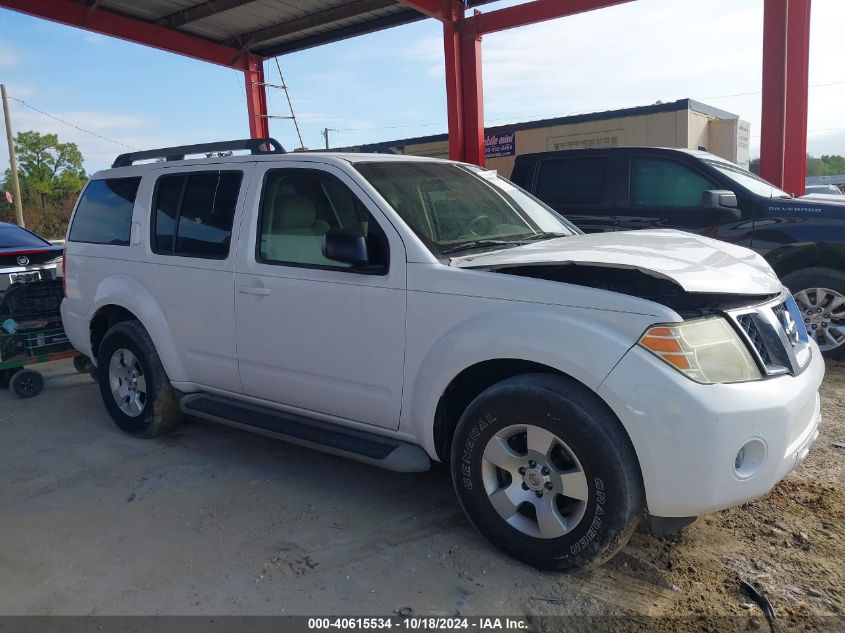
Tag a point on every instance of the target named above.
point(500, 145)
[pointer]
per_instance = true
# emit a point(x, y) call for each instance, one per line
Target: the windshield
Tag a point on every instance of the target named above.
point(455, 207)
point(750, 181)
point(16, 237)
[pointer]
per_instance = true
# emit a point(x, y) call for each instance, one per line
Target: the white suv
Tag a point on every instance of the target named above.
point(398, 310)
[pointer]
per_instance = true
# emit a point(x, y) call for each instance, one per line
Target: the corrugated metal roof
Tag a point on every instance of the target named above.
point(269, 27)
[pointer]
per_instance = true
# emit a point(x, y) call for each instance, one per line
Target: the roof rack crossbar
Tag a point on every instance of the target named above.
point(254, 145)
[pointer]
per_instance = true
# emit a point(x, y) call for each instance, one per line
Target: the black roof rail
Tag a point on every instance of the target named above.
point(254, 145)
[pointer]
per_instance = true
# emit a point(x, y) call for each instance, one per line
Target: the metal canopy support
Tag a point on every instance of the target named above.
point(117, 25)
point(783, 138)
point(473, 96)
point(454, 83)
point(462, 57)
point(785, 60)
point(256, 98)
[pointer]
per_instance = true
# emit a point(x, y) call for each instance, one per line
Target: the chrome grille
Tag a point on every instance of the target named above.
point(746, 321)
point(779, 344)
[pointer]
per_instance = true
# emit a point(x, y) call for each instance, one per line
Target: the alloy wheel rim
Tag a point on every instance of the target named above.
point(534, 481)
point(823, 311)
point(127, 383)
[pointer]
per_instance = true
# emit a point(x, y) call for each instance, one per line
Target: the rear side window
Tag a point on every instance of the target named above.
point(193, 213)
point(657, 182)
point(104, 213)
point(572, 181)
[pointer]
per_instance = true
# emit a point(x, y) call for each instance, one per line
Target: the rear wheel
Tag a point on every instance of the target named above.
point(820, 295)
point(545, 472)
point(133, 384)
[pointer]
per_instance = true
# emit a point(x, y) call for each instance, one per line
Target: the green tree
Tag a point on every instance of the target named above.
point(826, 165)
point(49, 171)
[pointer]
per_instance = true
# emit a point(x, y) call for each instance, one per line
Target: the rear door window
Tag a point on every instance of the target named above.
point(658, 182)
point(193, 213)
point(573, 182)
point(104, 212)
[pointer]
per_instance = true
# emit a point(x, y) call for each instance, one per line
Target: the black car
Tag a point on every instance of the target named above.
point(24, 256)
point(620, 189)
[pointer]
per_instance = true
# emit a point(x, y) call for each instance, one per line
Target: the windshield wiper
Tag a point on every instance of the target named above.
point(477, 244)
point(545, 235)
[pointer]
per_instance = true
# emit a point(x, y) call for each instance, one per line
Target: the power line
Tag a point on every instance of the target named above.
point(757, 92)
point(55, 118)
point(560, 114)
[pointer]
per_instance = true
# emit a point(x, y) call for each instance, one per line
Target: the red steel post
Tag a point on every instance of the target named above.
point(473, 96)
point(256, 98)
point(783, 138)
point(454, 81)
point(797, 83)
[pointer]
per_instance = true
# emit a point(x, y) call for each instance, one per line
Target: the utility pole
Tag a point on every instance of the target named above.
point(326, 134)
point(13, 160)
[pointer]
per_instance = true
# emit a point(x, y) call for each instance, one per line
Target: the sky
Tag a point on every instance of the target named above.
point(390, 85)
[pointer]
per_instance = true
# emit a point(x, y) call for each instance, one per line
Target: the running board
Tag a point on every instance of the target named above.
point(360, 446)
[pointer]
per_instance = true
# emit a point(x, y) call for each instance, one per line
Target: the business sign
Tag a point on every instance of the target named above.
point(499, 145)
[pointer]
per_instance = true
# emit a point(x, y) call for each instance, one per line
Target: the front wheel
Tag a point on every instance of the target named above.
point(545, 471)
point(820, 295)
point(133, 384)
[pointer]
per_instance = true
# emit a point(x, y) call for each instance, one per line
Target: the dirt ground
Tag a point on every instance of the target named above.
point(215, 521)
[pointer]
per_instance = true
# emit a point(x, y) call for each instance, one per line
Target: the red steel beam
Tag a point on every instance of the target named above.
point(124, 27)
point(256, 98)
point(533, 12)
point(454, 83)
point(473, 98)
point(437, 9)
point(773, 114)
point(797, 95)
point(783, 138)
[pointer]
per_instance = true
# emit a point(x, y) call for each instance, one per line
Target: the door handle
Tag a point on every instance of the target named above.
point(253, 290)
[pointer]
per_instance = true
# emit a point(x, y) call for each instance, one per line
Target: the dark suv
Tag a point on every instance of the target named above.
point(620, 189)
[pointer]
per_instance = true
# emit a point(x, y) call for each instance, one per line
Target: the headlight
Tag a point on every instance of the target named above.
point(706, 350)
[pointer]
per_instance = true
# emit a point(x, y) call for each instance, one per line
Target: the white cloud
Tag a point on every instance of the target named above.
point(132, 131)
point(8, 57)
point(640, 52)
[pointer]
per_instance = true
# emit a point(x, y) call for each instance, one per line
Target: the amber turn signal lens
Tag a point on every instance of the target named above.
point(706, 350)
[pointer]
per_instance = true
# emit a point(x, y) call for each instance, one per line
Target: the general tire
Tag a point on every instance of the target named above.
point(159, 409)
point(595, 439)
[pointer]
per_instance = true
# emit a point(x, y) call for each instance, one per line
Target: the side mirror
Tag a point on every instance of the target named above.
point(719, 199)
point(343, 245)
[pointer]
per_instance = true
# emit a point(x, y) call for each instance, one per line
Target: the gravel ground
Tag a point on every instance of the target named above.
point(215, 521)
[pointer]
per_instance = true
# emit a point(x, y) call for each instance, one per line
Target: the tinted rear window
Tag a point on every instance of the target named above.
point(193, 213)
point(104, 213)
point(16, 237)
point(572, 181)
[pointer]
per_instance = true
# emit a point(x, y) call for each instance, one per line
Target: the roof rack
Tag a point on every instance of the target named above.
point(254, 145)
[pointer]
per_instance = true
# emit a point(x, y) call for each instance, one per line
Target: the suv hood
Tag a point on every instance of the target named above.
point(693, 262)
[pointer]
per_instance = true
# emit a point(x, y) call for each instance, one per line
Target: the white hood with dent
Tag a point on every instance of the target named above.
point(696, 263)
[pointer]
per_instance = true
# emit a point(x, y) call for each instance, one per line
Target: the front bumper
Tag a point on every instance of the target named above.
point(687, 435)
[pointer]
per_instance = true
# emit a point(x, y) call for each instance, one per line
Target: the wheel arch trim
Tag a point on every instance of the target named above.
point(126, 293)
